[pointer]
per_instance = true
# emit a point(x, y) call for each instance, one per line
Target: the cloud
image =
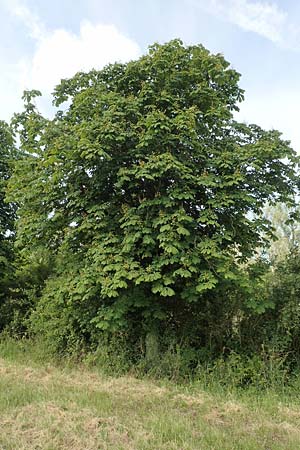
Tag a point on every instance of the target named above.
point(275, 108)
point(30, 20)
point(60, 53)
point(261, 17)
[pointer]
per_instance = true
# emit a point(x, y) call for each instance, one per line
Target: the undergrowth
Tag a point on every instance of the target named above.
point(231, 372)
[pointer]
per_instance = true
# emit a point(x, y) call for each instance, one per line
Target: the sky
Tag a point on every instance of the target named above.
point(42, 42)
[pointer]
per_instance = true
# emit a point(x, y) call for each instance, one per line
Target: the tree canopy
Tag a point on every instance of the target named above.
point(144, 186)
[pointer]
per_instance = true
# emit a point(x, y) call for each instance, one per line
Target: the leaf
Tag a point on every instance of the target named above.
point(183, 231)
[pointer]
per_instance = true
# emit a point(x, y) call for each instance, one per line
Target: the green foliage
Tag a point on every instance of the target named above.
point(7, 213)
point(284, 289)
point(260, 370)
point(148, 195)
point(113, 356)
point(275, 329)
point(7, 152)
point(63, 325)
point(31, 269)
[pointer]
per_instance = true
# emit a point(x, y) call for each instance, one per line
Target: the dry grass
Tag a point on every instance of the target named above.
point(48, 408)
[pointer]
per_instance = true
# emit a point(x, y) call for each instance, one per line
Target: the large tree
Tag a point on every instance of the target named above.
point(144, 185)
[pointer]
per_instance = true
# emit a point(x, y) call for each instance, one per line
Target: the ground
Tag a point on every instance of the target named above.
point(52, 407)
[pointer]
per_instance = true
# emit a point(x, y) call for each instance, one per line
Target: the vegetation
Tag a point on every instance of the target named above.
point(7, 218)
point(134, 232)
point(66, 408)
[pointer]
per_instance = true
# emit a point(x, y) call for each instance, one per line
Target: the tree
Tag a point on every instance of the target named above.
point(286, 229)
point(145, 187)
point(7, 211)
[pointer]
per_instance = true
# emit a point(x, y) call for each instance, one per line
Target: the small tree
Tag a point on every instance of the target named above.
point(145, 187)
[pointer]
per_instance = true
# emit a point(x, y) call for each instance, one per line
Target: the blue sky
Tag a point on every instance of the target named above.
point(42, 42)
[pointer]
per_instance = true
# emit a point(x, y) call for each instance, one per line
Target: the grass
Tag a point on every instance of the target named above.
point(50, 407)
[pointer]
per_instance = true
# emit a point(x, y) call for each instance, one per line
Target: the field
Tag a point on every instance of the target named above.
point(52, 407)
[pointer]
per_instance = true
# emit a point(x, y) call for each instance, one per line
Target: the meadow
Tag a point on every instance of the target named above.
point(49, 405)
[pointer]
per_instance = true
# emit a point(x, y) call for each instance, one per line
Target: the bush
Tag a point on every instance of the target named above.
point(259, 371)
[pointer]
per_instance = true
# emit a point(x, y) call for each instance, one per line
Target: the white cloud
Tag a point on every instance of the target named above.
point(261, 17)
point(277, 108)
point(35, 27)
point(60, 53)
